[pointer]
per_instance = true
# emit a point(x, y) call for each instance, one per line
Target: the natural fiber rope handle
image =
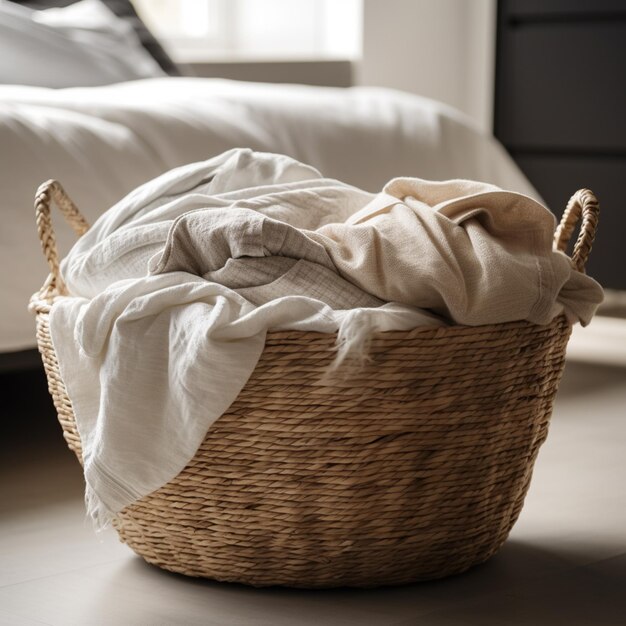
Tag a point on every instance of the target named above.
point(583, 206)
point(48, 191)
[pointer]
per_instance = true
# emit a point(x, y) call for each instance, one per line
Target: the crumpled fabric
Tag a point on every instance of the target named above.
point(177, 285)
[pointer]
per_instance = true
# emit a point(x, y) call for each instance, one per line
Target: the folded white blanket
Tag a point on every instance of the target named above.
point(173, 349)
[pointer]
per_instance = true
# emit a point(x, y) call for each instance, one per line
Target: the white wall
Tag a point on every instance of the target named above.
point(443, 49)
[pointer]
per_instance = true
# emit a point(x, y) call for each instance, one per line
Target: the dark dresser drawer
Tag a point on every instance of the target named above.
point(560, 109)
point(551, 92)
point(556, 178)
point(564, 9)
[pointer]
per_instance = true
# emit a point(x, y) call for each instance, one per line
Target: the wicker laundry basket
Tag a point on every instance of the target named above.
point(415, 468)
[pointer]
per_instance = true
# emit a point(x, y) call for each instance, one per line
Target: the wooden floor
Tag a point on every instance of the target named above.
point(565, 563)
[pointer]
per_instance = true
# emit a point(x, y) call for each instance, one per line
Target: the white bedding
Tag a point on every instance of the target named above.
point(101, 142)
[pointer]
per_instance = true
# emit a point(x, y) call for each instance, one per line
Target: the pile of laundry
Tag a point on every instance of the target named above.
point(174, 289)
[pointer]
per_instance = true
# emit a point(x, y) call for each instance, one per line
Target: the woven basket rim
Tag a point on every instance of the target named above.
point(41, 305)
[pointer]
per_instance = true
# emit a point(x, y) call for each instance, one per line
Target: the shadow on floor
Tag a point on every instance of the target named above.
point(521, 585)
point(580, 379)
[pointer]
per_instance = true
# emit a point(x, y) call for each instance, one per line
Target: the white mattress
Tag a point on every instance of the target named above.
point(101, 142)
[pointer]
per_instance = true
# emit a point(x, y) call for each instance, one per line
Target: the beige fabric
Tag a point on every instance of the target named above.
point(260, 258)
point(463, 249)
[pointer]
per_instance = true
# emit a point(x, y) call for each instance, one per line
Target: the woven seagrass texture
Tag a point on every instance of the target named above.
point(413, 467)
point(56, 387)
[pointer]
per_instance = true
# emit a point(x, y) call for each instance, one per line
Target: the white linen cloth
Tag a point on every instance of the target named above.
point(135, 229)
point(153, 362)
point(103, 142)
point(173, 350)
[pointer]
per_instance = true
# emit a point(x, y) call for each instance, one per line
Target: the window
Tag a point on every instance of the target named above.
point(228, 30)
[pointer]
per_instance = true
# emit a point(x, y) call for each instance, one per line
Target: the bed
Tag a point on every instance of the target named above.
point(101, 141)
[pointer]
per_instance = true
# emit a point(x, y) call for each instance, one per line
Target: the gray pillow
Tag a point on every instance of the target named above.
point(124, 10)
point(84, 44)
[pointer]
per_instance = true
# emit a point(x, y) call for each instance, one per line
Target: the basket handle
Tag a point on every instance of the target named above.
point(48, 191)
point(583, 206)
